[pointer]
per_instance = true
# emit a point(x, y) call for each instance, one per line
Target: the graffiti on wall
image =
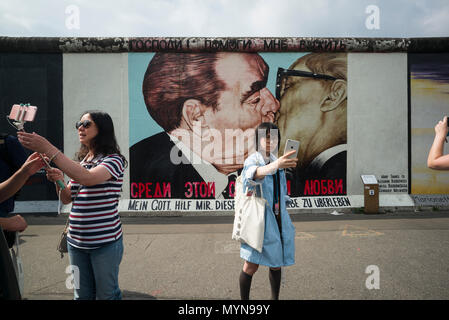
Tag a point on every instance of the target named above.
point(237, 44)
point(192, 121)
point(429, 100)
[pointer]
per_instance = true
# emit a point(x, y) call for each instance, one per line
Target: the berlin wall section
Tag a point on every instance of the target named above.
point(378, 119)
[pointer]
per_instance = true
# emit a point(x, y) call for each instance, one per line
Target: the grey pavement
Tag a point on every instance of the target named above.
point(195, 258)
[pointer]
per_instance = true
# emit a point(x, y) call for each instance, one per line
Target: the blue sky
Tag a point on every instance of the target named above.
point(220, 18)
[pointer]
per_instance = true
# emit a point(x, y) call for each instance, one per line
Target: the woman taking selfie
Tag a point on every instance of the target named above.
point(262, 168)
point(95, 243)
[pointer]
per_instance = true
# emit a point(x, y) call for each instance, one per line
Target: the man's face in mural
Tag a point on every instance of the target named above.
point(242, 106)
point(245, 102)
point(306, 113)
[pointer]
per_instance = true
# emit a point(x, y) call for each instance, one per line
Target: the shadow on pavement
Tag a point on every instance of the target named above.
point(131, 295)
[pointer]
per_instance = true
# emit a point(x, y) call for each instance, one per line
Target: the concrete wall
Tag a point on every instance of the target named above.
point(377, 117)
point(383, 132)
point(96, 81)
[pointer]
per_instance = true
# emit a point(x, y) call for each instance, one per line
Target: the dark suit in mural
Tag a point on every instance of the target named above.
point(313, 97)
point(151, 164)
point(323, 176)
point(203, 102)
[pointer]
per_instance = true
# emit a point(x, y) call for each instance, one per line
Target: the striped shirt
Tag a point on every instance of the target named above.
point(94, 220)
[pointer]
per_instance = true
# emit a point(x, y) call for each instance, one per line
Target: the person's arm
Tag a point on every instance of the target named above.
point(281, 163)
point(10, 187)
point(70, 167)
point(15, 223)
point(436, 160)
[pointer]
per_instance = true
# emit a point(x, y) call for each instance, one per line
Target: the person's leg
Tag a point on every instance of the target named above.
point(245, 279)
point(275, 282)
point(105, 262)
point(84, 281)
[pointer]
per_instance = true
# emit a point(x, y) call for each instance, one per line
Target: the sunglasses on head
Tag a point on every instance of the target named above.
point(86, 124)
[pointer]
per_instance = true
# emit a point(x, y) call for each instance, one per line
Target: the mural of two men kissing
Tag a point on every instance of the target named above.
point(203, 109)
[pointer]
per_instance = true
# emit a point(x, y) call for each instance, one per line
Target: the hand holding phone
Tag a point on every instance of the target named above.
point(59, 182)
point(292, 145)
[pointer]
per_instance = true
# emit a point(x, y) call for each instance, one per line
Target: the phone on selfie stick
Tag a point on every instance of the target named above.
point(19, 115)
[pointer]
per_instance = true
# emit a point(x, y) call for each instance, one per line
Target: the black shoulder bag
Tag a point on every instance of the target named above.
point(277, 201)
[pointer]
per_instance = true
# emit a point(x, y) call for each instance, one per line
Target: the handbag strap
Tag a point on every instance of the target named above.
point(277, 200)
point(261, 189)
point(68, 217)
point(258, 184)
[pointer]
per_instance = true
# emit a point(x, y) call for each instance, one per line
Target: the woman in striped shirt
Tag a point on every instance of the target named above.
point(95, 244)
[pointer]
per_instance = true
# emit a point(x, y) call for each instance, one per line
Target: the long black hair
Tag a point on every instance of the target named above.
point(104, 142)
point(264, 130)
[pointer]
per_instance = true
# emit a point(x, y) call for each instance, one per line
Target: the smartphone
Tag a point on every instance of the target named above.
point(23, 113)
point(292, 145)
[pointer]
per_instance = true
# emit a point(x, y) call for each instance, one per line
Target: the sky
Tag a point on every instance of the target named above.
point(224, 18)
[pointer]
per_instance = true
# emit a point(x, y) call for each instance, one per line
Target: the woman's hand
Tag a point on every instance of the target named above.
point(441, 129)
point(34, 142)
point(54, 174)
point(281, 163)
point(285, 162)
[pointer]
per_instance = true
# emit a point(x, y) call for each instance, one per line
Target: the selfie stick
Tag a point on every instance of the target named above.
point(58, 182)
point(19, 123)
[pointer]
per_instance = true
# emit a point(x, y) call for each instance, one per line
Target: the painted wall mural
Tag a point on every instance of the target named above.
point(429, 103)
point(193, 115)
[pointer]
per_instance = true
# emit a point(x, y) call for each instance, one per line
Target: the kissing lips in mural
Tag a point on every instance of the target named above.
point(203, 102)
point(313, 97)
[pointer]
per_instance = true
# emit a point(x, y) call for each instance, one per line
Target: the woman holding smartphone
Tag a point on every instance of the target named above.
point(95, 242)
point(262, 168)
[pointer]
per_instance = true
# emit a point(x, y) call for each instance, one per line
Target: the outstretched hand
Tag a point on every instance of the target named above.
point(33, 141)
point(441, 129)
point(286, 162)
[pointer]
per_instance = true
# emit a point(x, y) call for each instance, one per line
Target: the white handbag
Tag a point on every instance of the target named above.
point(249, 219)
